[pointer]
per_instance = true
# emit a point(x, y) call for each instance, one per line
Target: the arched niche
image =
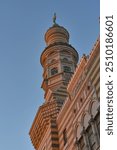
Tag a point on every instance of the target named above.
point(93, 107)
point(78, 129)
point(85, 119)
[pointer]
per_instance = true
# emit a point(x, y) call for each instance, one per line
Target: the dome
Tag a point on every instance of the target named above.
point(56, 34)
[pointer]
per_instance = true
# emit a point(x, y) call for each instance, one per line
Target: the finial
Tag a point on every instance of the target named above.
point(54, 18)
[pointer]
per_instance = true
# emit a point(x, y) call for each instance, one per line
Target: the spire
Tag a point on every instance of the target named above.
point(54, 18)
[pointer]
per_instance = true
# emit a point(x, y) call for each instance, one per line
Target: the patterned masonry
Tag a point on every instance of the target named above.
point(69, 118)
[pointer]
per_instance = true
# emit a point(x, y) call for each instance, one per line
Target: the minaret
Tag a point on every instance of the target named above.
point(59, 61)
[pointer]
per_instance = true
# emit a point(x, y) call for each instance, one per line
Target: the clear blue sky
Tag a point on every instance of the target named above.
point(22, 27)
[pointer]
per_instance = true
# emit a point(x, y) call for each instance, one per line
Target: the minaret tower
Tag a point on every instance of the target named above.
point(59, 60)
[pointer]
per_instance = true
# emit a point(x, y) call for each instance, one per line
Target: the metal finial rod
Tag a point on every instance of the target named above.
point(54, 18)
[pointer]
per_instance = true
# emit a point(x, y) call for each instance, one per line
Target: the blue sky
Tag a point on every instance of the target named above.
point(22, 27)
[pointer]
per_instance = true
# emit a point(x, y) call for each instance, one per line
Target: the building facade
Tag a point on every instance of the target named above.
point(69, 119)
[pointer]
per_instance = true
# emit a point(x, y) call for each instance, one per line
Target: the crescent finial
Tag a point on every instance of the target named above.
point(54, 18)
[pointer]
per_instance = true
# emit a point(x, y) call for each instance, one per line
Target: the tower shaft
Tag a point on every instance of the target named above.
point(59, 61)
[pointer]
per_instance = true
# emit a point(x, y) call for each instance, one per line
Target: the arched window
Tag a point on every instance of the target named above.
point(66, 68)
point(65, 59)
point(54, 71)
point(53, 60)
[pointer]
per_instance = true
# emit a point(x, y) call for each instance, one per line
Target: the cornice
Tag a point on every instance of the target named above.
point(56, 44)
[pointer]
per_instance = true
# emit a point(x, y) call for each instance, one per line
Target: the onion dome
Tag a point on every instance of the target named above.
point(56, 34)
